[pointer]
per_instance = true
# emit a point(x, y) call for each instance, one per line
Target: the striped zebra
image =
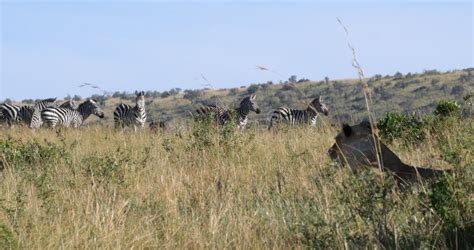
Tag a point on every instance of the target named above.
point(126, 115)
point(295, 116)
point(36, 121)
point(23, 113)
point(66, 117)
point(223, 115)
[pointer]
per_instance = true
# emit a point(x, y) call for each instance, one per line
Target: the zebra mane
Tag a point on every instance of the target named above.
point(46, 100)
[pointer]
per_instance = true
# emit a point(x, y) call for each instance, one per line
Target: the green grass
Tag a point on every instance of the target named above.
point(188, 188)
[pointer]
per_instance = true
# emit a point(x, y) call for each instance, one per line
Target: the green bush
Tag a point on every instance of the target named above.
point(447, 108)
point(20, 155)
point(407, 128)
point(450, 200)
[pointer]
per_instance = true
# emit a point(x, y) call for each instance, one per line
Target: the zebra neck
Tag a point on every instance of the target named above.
point(140, 109)
point(311, 112)
point(242, 113)
point(84, 111)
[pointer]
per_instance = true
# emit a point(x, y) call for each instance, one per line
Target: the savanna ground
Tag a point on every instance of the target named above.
point(197, 187)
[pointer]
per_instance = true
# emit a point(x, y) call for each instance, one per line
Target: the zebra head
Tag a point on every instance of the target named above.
point(248, 103)
point(318, 106)
point(140, 100)
point(91, 107)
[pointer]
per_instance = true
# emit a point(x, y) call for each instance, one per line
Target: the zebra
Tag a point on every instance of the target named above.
point(15, 113)
point(223, 115)
point(126, 115)
point(36, 121)
point(66, 117)
point(295, 116)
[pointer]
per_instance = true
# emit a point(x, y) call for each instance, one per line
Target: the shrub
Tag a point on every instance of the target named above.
point(192, 94)
point(233, 91)
point(252, 89)
point(457, 90)
point(449, 199)
point(21, 155)
point(28, 101)
point(447, 108)
point(370, 199)
point(398, 76)
point(407, 128)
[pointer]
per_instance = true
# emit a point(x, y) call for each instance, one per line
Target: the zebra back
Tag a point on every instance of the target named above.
point(66, 117)
point(69, 104)
point(48, 102)
point(36, 121)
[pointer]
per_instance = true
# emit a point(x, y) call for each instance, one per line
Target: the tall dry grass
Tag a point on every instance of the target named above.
point(98, 188)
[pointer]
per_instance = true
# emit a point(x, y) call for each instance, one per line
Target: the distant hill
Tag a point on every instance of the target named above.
point(418, 92)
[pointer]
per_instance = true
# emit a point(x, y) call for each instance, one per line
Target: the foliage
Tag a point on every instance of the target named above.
point(450, 200)
point(407, 128)
point(447, 108)
point(192, 94)
point(252, 89)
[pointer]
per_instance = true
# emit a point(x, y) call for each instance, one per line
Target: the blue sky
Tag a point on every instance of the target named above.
point(49, 48)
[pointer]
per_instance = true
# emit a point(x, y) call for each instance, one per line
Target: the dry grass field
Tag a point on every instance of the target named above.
point(201, 187)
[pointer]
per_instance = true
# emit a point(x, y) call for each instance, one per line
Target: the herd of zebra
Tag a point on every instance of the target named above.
point(49, 113)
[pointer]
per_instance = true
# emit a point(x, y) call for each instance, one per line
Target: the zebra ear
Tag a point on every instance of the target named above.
point(136, 92)
point(320, 98)
point(346, 129)
point(252, 97)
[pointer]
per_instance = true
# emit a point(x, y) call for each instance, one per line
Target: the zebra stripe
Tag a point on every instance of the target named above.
point(223, 115)
point(36, 121)
point(126, 115)
point(54, 116)
point(295, 116)
point(15, 113)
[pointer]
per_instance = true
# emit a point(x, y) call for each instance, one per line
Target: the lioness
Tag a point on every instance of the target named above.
point(355, 146)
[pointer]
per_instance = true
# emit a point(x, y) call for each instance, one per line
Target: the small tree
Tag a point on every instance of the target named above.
point(28, 101)
point(77, 98)
point(398, 76)
point(293, 79)
point(252, 89)
point(192, 94)
point(234, 91)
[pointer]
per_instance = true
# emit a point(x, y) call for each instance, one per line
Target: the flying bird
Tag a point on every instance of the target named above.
point(260, 67)
point(204, 78)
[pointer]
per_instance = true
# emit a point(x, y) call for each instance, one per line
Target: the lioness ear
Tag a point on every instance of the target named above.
point(346, 129)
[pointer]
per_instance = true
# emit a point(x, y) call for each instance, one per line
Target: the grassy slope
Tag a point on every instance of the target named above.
point(343, 97)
